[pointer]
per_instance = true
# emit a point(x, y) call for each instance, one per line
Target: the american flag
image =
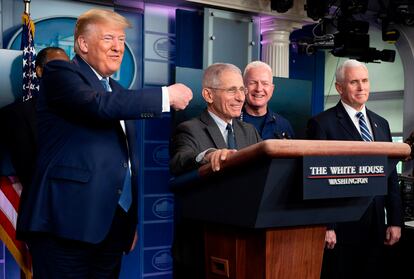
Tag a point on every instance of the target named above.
point(10, 190)
point(10, 187)
point(30, 82)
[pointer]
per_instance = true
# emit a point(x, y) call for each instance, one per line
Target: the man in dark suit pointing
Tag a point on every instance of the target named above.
point(81, 211)
point(355, 249)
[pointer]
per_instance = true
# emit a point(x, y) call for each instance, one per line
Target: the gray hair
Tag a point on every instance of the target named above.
point(350, 63)
point(211, 74)
point(257, 64)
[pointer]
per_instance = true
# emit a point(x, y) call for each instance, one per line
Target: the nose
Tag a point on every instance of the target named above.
point(240, 96)
point(116, 44)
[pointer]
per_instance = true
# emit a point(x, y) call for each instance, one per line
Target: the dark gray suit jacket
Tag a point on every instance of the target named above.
point(194, 136)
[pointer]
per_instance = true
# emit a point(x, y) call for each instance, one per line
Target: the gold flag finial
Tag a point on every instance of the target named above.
point(27, 6)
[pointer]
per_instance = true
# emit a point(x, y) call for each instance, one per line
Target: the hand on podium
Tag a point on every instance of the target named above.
point(217, 157)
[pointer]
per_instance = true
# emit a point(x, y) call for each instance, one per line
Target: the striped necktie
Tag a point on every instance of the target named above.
point(365, 133)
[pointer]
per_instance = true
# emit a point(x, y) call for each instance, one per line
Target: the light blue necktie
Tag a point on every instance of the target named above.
point(231, 141)
point(105, 84)
point(125, 200)
point(365, 133)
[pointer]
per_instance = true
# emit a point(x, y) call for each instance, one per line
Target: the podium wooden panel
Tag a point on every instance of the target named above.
point(288, 253)
point(256, 222)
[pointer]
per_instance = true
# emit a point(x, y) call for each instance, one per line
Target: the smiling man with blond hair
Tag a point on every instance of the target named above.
point(81, 212)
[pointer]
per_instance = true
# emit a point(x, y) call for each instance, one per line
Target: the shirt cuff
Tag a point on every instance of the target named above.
point(200, 157)
point(165, 99)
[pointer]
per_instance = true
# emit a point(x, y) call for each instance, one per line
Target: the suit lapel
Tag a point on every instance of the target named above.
point(346, 122)
point(238, 134)
point(213, 130)
point(86, 70)
point(377, 130)
point(130, 135)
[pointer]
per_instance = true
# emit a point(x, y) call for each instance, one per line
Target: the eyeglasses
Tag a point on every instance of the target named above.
point(232, 90)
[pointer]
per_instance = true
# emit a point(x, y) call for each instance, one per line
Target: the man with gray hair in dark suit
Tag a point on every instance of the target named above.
point(355, 249)
point(209, 138)
point(217, 132)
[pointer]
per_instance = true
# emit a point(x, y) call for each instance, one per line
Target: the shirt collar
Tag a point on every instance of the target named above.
point(220, 122)
point(96, 73)
point(352, 112)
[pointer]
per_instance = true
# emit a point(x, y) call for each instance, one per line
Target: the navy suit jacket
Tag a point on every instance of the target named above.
point(201, 133)
point(83, 152)
point(335, 124)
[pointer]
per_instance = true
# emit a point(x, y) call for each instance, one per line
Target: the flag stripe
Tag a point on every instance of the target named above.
point(7, 210)
point(8, 218)
point(7, 224)
point(11, 196)
point(11, 233)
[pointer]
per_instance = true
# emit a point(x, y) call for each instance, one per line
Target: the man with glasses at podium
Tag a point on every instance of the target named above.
point(209, 138)
point(217, 132)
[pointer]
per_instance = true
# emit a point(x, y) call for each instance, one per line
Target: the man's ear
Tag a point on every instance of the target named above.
point(338, 87)
point(207, 95)
point(83, 45)
point(39, 71)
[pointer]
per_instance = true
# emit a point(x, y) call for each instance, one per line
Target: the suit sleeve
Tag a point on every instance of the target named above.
point(184, 149)
point(393, 203)
point(71, 94)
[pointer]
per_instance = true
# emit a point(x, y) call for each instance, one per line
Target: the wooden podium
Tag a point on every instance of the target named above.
point(264, 216)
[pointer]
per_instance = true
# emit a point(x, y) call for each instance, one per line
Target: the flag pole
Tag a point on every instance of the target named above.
point(24, 275)
point(27, 6)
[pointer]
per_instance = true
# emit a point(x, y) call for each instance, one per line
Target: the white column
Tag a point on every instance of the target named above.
point(275, 51)
point(275, 43)
point(275, 37)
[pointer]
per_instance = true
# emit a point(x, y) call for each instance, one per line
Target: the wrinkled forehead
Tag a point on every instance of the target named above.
point(356, 73)
point(105, 28)
point(230, 77)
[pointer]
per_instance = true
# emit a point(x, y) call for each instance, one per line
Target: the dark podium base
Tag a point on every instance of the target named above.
point(282, 253)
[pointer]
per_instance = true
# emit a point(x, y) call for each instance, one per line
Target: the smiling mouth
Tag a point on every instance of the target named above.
point(237, 107)
point(258, 96)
